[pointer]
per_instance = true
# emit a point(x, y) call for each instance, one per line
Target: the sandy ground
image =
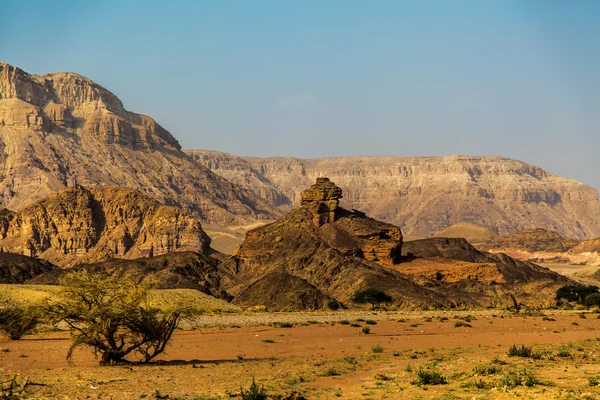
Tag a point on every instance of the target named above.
point(330, 360)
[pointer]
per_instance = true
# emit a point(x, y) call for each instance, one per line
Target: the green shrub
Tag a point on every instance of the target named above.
point(344, 322)
point(373, 297)
point(254, 392)
point(377, 349)
point(17, 321)
point(370, 322)
point(424, 377)
point(575, 293)
point(333, 305)
point(459, 324)
point(522, 351)
point(365, 330)
point(592, 300)
point(485, 370)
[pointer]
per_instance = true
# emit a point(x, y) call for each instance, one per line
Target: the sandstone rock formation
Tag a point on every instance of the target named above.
point(78, 225)
point(317, 252)
point(425, 195)
point(62, 130)
point(466, 276)
point(539, 245)
point(321, 251)
point(322, 200)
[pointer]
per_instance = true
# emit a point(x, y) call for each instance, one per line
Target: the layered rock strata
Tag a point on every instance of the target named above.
point(78, 225)
point(62, 130)
point(425, 195)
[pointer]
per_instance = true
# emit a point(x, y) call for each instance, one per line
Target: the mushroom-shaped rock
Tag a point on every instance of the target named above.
point(322, 200)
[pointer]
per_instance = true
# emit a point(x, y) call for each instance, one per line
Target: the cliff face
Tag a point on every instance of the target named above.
point(425, 195)
point(82, 226)
point(61, 130)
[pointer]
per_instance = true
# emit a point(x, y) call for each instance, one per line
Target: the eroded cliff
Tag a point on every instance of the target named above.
point(425, 195)
point(61, 130)
point(77, 225)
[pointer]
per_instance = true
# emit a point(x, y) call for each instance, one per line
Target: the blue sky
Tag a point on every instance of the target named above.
point(333, 78)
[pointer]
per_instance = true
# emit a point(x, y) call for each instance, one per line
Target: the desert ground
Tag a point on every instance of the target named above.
point(326, 355)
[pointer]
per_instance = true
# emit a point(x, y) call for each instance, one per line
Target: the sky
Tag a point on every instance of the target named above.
point(329, 78)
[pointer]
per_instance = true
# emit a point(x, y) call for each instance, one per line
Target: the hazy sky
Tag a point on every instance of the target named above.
point(331, 78)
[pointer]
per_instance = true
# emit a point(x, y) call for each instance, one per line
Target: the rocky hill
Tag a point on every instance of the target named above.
point(78, 225)
point(321, 251)
point(425, 195)
point(181, 270)
point(17, 268)
point(61, 130)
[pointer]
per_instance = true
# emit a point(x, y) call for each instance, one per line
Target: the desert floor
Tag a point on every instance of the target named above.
point(322, 356)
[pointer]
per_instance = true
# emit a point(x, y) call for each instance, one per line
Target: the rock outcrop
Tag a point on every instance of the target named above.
point(543, 246)
point(17, 268)
point(78, 225)
point(322, 200)
point(467, 276)
point(425, 195)
point(321, 251)
point(62, 130)
point(324, 252)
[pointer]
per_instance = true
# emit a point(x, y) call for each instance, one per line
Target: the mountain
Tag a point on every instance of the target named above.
point(78, 225)
point(425, 195)
point(62, 130)
point(320, 251)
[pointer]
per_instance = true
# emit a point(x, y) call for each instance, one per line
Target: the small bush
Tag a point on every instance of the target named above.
point(254, 392)
point(333, 305)
point(365, 330)
point(459, 324)
point(351, 360)
point(268, 341)
point(286, 325)
point(424, 377)
point(17, 321)
point(377, 349)
point(344, 322)
point(355, 325)
point(593, 380)
point(370, 322)
point(382, 377)
point(485, 370)
point(563, 354)
point(522, 351)
point(331, 372)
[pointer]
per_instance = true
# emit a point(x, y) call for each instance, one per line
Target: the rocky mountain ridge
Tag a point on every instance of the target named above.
point(425, 195)
point(62, 130)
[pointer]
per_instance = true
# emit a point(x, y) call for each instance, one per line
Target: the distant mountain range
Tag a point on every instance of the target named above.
point(425, 195)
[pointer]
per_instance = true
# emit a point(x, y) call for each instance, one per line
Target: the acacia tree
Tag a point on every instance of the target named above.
point(112, 315)
point(371, 296)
